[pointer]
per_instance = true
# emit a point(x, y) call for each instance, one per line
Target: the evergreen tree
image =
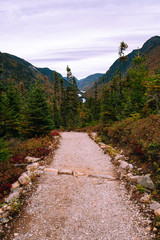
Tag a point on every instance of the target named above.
point(153, 91)
point(10, 109)
point(56, 115)
point(37, 112)
point(71, 101)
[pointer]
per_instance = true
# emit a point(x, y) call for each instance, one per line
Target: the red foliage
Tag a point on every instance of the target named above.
point(141, 135)
point(54, 133)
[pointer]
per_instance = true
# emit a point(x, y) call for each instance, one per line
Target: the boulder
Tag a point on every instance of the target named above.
point(145, 181)
point(32, 166)
point(157, 212)
point(32, 159)
point(124, 165)
point(15, 185)
point(13, 196)
point(154, 205)
point(24, 179)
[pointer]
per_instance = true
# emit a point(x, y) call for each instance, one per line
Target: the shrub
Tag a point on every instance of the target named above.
point(142, 135)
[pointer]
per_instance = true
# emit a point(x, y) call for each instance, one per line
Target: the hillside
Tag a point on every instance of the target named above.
point(24, 73)
point(150, 49)
point(86, 83)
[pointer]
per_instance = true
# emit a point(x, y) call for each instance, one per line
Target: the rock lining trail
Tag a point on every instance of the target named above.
point(89, 205)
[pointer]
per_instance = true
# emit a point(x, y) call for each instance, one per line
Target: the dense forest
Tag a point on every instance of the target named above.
point(125, 112)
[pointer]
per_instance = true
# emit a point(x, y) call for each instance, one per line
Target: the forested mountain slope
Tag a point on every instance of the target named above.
point(24, 73)
point(150, 50)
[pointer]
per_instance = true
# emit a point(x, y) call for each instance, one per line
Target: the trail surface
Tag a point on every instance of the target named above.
point(66, 207)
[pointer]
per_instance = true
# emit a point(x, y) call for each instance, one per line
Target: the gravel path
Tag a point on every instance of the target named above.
point(66, 207)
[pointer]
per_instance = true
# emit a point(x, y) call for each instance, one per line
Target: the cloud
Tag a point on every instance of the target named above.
point(85, 33)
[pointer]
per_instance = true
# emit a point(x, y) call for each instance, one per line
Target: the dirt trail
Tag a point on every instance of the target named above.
point(65, 207)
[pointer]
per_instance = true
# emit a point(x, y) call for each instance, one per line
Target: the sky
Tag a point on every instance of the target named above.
point(84, 34)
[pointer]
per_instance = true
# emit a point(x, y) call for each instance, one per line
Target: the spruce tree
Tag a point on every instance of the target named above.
point(37, 112)
point(10, 109)
point(56, 114)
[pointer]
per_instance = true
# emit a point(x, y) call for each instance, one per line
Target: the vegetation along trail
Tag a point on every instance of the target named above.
point(90, 204)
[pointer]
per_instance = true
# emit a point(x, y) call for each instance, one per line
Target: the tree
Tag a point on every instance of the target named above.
point(122, 58)
point(10, 111)
point(71, 101)
point(37, 115)
point(56, 114)
point(153, 90)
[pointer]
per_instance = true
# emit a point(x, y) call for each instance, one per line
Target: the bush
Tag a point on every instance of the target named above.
point(34, 147)
point(142, 135)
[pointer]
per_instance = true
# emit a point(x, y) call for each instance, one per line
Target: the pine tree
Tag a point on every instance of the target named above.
point(71, 101)
point(10, 109)
point(56, 115)
point(38, 112)
point(153, 91)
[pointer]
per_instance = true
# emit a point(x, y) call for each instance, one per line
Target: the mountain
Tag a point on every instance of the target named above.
point(151, 51)
point(21, 72)
point(86, 83)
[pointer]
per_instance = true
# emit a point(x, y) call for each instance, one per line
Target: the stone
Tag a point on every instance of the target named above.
point(130, 166)
point(134, 179)
point(157, 212)
point(148, 229)
point(145, 181)
point(102, 176)
point(154, 206)
point(24, 179)
point(32, 159)
point(15, 185)
point(16, 234)
point(42, 167)
point(128, 176)
point(79, 174)
point(52, 170)
point(125, 165)
point(13, 196)
point(93, 135)
point(155, 229)
point(4, 220)
point(65, 171)
point(145, 198)
point(118, 157)
point(139, 169)
point(32, 166)
point(1, 211)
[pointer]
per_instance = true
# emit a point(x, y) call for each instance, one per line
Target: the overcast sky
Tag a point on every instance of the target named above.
point(84, 34)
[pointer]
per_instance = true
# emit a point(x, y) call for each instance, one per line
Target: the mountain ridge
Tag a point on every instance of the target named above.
point(150, 49)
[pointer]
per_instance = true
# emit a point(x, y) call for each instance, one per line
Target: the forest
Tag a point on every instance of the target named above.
point(124, 112)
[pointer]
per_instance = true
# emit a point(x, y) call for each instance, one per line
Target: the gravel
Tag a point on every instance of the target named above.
point(66, 207)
